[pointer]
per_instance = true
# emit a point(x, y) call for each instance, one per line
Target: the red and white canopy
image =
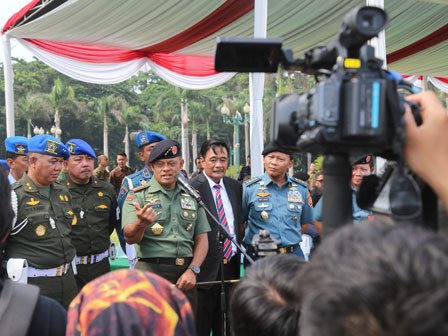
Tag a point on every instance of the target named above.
point(104, 41)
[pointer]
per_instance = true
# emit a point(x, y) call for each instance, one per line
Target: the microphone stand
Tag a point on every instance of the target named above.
point(223, 234)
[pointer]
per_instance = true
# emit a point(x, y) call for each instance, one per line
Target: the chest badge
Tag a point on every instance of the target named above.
point(157, 229)
point(102, 206)
point(294, 196)
point(75, 220)
point(262, 205)
point(100, 194)
point(40, 230)
point(263, 194)
point(32, 201)
point(189, 226)
point(187, 203)
point(264, 215)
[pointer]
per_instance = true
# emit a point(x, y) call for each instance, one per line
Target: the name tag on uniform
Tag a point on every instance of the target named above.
point(156, 206)
point(187, 203)
point(264, 199)
point(294, 196)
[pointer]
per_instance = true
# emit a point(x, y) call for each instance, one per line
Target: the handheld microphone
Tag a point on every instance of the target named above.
point(367, 192)
point(189, 189)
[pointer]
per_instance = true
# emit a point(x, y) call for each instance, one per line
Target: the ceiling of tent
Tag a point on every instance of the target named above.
point(417, 35)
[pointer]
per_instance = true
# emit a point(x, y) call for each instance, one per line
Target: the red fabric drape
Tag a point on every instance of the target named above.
point(17, 16)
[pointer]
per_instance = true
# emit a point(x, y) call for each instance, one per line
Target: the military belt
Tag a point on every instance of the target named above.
point(92, 259)
point(48, 272)
point(288, 249)
point(168, 261)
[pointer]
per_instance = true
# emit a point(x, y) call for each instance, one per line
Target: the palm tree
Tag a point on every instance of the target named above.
point(34, 106)
point(126, 116)
point(103, 107)
point(62, 95)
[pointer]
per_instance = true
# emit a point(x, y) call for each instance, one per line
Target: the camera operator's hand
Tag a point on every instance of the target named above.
point(426, 147)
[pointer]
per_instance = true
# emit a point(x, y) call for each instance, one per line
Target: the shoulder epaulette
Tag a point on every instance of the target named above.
point(16, 185)
point(303, 183)
point(252, 181)
point(143, 186)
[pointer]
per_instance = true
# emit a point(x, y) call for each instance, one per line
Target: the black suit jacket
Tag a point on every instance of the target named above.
point(210, 267)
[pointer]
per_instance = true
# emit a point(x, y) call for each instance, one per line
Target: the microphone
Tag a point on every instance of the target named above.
point(367, 192)
point(189, 189)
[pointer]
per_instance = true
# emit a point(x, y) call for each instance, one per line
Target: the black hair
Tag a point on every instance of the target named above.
point(265, 302)
point(122, 154)
point(376, 279)
point(213, 143)
point(11, 155)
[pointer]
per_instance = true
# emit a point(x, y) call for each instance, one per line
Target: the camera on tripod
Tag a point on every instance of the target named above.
point(357, 109)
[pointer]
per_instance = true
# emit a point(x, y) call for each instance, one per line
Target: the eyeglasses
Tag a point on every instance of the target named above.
point(320, 180)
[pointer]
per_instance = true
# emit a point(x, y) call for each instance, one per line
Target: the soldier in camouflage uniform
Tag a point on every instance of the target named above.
point(41, 230)
point(95, 206)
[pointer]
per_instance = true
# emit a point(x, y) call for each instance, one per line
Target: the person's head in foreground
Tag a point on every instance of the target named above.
point(376, 279)
point(266, 301)
point(130, 302)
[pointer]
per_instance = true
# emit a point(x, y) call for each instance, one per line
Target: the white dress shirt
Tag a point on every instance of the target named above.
point(227, 206)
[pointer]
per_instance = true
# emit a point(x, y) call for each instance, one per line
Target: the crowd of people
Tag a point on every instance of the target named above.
point(371, 277)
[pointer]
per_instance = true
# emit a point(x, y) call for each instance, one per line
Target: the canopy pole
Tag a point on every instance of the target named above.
point(9, 89)
point(256, 88)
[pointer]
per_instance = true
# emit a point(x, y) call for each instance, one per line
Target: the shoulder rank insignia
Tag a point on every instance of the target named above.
point(66, 198)
point(300, 182)
point(32, 201)
point(140, 188)
point(252, 181)
point(75, 220)
point(130, 198)
point(102, 206)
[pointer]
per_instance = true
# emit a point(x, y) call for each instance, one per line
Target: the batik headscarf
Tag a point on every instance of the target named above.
point(130, 302)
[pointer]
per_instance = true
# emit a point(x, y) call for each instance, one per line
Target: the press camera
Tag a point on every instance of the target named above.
point(356, 109)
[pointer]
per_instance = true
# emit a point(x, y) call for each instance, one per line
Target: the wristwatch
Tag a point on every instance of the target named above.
point(196, 270)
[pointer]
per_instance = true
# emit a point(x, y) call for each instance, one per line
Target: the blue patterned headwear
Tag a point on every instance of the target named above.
point(48, 145)
point(146, 137)
point(17, 145)
point(78, 146)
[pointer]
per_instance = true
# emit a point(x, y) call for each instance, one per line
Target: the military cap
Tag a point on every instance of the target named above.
point(274, 147)
point(4, 165)
point(78, 146)
point(48, 145)
point(166, 149)
point(365, 159)
point(146, 137)
point(17, 145)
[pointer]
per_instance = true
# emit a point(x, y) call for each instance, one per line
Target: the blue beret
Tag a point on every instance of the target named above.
point(48, 145)
point(146, 137)
point(166, 149)
point(4, 165)
point(17, 145)
point(78, 146)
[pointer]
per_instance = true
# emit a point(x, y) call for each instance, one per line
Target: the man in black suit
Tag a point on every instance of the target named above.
point(223, 196)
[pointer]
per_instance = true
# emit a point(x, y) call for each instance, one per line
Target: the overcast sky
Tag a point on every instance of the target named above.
point(7, 9)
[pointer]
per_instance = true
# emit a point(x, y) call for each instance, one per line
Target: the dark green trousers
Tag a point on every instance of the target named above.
point(62, 289)
point(171, 273)
point(87, 273)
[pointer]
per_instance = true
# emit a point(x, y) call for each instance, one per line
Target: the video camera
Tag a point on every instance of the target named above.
point(357, 109)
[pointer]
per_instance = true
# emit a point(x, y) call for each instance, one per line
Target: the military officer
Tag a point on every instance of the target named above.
point(95, 206)
point(362, 166)
point(145, 142)
point(277, 202)
point(16, 157)
point(165, 223)
point(41, 229)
